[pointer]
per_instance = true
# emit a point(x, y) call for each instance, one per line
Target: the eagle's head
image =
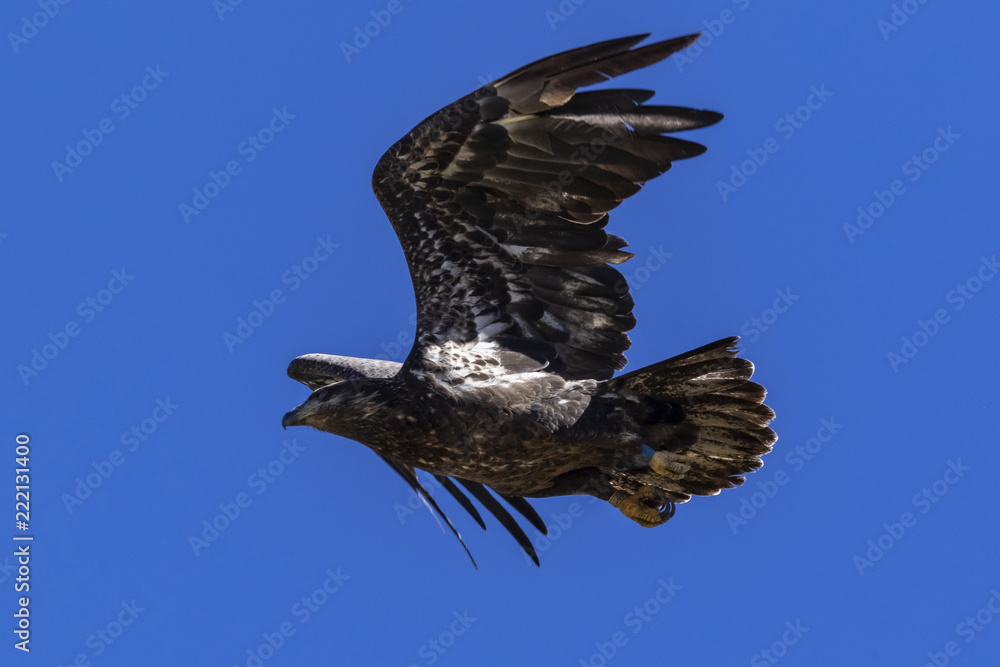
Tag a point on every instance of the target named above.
point(345, 392)
point(306, 413)
point(335, 408)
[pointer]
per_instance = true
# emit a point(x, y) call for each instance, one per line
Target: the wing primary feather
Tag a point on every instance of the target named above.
point(408, 474)
point(462, 499)
point(480, 493)
point(527, 511)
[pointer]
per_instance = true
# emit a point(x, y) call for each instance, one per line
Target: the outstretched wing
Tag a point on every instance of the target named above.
point(481, 493)
point(320, 370)
point(500, 201)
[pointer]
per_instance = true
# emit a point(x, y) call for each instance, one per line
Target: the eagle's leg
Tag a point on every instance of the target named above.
point(669, 465)
point(647, 507)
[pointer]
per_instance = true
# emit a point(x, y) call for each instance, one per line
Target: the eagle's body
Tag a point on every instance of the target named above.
point(500, 201)
point(510, 450)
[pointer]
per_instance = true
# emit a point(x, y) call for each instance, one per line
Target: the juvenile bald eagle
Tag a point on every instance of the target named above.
point(500, 202)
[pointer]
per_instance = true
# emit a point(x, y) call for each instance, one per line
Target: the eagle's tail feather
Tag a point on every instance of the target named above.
point(704, 425)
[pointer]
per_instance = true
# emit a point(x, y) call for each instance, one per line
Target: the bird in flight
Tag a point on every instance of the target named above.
point(500, 201)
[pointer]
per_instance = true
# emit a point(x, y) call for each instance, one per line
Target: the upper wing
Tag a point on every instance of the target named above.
point(500, 202)
point(319, 370)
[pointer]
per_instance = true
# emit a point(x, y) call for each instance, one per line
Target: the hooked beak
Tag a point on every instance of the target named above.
point(293, 417)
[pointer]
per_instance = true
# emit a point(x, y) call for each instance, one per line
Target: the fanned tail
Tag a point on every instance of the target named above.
point(704, 424)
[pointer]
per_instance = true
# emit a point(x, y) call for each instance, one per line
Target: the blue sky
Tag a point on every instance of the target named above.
point(212, 218)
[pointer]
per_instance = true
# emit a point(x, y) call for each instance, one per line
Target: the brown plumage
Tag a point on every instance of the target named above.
point(500, 201)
